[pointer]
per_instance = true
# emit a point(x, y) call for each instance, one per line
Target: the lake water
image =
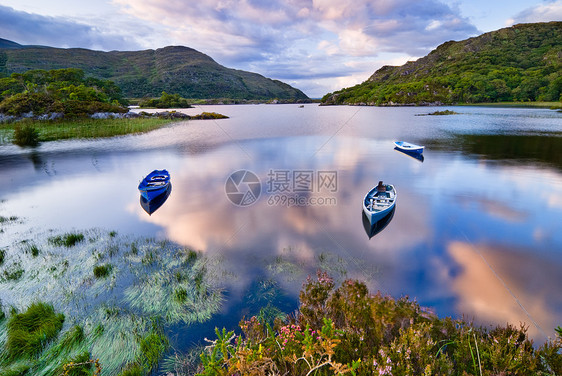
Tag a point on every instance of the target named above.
point(477, 229)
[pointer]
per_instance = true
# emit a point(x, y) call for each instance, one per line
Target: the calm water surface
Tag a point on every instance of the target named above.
point(477, 228)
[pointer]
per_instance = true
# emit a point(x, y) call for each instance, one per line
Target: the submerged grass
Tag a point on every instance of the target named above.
point(112, 319)
point(83, 128)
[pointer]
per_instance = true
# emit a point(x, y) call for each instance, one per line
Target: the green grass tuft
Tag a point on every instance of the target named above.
point(73, 337)
point(13, 273)
point(133, 370)
point(191, 256)
point(102, 271)
point(152, 346)
point(2, 255)
point(28, 332)
point(180, 295)
point(67, 240)
point(32, 249)
point(19, 369)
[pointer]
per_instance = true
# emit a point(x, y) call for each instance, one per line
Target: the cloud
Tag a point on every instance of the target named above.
point(326, 42)
point(28, 28)
point(523, 279)
point(550, 11)
point(312, 37)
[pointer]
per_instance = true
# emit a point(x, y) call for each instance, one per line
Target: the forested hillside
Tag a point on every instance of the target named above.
point(175, 70)
point(519, 63)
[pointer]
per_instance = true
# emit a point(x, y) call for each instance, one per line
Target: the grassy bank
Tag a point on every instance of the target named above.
point(82, 128)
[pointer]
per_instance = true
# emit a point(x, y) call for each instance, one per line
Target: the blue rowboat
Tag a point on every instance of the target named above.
point(154, 204)
point(154, 184)
point(372, 229)
point(408, 147)
point(379, 202)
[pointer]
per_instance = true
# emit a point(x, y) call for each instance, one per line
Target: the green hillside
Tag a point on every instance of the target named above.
point(519, 63)
point(175, 69)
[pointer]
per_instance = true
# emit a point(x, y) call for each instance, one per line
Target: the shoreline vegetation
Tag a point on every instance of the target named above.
point(348, 330)
point(29, 132)
point(102, 125)
point(128, 295)
point(108, 324)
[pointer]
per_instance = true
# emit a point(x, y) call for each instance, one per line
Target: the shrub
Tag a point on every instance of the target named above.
point(26, 135)
point(349, 330)
point(21, 103)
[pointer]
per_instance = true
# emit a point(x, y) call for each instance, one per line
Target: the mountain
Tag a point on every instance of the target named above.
point(174, 69)
point(518, 63)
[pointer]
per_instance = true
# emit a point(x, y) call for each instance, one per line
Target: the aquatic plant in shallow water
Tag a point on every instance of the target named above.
point(108, 317)
point(29, 331)
point(179, 291)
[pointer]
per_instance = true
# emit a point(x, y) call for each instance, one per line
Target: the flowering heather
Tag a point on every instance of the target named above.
point(348, 330)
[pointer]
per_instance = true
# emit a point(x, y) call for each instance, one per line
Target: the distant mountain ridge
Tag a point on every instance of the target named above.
point(518, 63)
point(174, 69)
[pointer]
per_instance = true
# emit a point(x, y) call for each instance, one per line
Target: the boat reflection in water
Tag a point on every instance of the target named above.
point(150, 206)
point(378, 226)
point(414, 155)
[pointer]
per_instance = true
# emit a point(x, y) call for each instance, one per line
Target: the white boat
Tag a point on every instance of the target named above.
point(379, 202)
point(408, 147)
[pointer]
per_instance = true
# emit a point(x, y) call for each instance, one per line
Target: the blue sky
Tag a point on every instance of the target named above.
point(317, 46)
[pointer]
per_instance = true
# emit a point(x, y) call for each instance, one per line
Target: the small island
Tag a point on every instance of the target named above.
point(440, 113)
